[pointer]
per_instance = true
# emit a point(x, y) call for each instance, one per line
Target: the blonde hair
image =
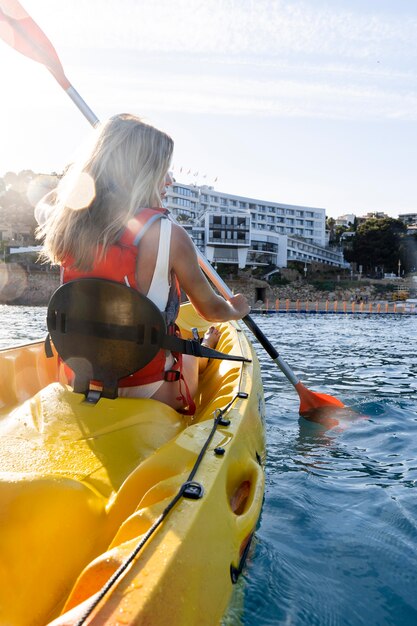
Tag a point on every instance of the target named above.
point(124, 170)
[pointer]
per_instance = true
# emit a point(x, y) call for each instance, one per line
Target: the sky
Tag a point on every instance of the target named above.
point(304, 102)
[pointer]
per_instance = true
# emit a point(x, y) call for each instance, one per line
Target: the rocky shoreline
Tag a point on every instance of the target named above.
point(263, 295)
point(33, 286)
point(20, 284)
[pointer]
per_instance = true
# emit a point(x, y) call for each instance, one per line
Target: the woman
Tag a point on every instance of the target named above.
point(106, 221)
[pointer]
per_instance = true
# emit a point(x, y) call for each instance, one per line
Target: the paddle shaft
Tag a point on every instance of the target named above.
point(224, 290)
point(82, 105)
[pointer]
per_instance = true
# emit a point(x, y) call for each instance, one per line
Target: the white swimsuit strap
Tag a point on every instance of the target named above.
point(160, 284)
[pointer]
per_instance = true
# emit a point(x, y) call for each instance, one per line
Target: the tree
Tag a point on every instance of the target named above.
point(377, 242)
point(330, 225)
point(409, 253)
point(339, 232)
point(183, 218)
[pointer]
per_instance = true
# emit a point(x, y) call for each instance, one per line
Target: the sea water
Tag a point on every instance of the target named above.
point(337, 539)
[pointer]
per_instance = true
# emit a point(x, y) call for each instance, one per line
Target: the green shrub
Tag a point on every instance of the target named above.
point(277, 280)
point(324, 285)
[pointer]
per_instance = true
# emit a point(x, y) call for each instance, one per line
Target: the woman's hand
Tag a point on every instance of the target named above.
point(240, 306)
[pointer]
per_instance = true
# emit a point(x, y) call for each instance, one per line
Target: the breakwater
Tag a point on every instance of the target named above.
point(302, 297)
point(343, 307)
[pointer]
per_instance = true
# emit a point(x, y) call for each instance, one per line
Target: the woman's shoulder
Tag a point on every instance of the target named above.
point(140, 224)
point(180, 234)
point(182, 245)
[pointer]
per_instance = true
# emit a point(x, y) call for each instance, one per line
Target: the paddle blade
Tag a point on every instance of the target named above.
point(311, 401)
point(20, 32)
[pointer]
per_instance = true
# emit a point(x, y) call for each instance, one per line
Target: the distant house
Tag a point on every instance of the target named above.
point(345, 220)
point(410, 220)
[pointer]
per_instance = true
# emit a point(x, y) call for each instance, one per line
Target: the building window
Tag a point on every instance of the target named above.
point(183, 202)
point(184, 191)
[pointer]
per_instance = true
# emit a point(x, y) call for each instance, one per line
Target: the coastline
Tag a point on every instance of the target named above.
point(33, 285)
point(23, 285)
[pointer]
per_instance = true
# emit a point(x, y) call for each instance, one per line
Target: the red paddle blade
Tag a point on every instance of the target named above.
point(23, 34)
point(311, 401)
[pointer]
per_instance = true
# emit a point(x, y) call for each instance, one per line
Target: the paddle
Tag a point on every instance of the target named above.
point(19, 31)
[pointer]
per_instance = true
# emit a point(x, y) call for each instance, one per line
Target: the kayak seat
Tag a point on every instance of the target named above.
point(105, 331)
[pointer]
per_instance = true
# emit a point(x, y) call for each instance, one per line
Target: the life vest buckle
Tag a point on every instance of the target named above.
point(171, 376)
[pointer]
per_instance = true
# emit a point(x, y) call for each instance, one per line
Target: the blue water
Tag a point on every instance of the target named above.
point(337, 540)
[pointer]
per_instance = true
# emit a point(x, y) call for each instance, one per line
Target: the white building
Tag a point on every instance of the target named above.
point(345, 220)
point(246, 231)
point(410, 219)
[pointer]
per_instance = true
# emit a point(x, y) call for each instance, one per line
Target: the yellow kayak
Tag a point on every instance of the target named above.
point(125, 511)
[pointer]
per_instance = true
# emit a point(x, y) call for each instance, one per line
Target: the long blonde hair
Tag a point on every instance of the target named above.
point(124, 170)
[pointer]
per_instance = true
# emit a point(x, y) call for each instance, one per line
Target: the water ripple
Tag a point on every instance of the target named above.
point(337, 543)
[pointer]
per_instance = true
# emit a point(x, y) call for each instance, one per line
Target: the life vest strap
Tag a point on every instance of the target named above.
point(195, 348)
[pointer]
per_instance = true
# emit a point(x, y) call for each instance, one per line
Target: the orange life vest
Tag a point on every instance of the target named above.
point(119, 265)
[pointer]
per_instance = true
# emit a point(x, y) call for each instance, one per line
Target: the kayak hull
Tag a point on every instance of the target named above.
point(95, 492)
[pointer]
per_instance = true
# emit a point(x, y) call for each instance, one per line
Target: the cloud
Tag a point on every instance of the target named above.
point(266, 27)
point(289, 90)
point(242, 57)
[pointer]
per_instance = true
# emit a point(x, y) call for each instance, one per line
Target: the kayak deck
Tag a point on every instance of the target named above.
point(81, 486)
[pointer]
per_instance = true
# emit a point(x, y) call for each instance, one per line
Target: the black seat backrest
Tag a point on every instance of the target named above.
point(103, 331)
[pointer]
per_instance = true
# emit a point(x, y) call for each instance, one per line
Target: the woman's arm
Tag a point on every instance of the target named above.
point(207, 303)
